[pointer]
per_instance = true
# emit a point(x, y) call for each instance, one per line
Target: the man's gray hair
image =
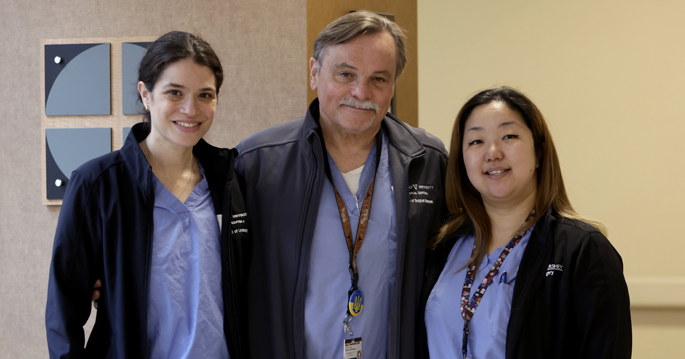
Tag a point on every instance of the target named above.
point(349, 26)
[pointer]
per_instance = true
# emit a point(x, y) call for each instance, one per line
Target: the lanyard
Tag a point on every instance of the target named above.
point(353, 247)
point(468, 308)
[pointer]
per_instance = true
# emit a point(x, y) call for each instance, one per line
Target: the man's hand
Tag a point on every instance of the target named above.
point(96, 293)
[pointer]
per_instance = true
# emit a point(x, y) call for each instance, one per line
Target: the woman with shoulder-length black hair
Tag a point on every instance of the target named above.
point(515, 272)
point(144, 223)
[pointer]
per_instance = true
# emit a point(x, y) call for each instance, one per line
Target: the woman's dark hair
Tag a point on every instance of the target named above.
point(464, 202)
point(174, 46)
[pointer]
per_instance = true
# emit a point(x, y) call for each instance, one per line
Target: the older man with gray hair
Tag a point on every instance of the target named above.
point(342, 202)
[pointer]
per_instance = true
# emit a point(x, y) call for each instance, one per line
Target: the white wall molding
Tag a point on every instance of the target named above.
point(656, 292)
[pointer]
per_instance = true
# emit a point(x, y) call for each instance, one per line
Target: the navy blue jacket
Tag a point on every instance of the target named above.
point(105, 232)
point(570, 297)
point(282, 174)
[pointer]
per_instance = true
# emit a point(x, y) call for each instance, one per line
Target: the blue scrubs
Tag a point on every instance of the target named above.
point(186, 311)
point(488, 327)
point(328, 278)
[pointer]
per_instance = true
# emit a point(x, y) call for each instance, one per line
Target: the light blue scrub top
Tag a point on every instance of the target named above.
point(488, 327)
point(186, 310)
point(328, 278)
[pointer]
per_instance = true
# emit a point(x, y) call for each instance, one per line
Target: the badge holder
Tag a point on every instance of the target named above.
point(355, 304)
point(353, 348)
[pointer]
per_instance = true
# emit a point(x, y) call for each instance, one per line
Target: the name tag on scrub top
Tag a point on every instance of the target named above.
point(353, 348)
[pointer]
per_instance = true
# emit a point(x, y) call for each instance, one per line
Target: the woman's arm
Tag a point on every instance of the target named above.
point(72, 273)
point(600, 301)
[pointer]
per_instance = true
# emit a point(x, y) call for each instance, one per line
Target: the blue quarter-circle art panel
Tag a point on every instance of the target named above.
point(68, 148)
point(80, 83)
point(131, 54)
point(125, 131)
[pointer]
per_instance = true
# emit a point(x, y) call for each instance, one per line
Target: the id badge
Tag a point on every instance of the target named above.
point(353, 348)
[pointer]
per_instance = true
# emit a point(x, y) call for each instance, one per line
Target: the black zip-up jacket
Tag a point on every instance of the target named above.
point(105, 232)
point(570, 297)
point(282, 169)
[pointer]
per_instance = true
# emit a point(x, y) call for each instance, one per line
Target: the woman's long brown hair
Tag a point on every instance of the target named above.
point(464, 202)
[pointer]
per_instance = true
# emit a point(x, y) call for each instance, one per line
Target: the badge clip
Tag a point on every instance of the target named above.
point(346, 325)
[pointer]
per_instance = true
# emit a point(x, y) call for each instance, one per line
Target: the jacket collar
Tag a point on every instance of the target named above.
point(402, 137)
point(311, 129)
point(543, 226)
point(134, 155)
point(398, 132)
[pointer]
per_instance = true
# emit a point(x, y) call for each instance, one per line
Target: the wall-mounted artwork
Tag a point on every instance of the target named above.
point(68, 148)
point(125, 131)
point(86, 83)
point(131, 54)
point(77, 79)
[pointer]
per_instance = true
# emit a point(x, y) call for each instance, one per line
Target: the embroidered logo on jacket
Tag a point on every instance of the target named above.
point(418, 192)
point(551, 268)
point(238, 223)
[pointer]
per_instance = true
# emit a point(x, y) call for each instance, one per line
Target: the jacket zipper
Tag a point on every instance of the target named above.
point(231, 257)
point(398, 289)
point(308, 196)
point(149, 254)
point(306, 208)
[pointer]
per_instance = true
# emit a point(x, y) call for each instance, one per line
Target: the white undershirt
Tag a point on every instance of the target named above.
point(352, 179)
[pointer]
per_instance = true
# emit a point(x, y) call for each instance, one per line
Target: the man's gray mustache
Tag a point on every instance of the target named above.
point(366, 105)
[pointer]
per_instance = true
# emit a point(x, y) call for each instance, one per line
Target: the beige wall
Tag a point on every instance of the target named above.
point(608, 76)
point(262, 46)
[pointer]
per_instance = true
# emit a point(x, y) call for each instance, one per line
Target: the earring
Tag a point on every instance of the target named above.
point(147, 108)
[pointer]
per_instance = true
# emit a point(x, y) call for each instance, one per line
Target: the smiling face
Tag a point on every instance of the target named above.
point(355, 83)
point(182, 104)
point(499, 155)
